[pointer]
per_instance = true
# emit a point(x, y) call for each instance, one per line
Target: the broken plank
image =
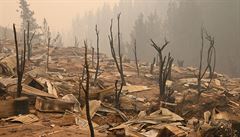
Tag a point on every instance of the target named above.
point(14, 107)
point(135, 88)
point(170, 130)
point(53, 105)
point(33, 91)
point(94, 105)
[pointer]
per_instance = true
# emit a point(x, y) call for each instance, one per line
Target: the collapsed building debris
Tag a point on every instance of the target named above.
point(51, 100)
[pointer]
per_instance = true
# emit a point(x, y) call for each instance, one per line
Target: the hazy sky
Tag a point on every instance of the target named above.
point(59, 13)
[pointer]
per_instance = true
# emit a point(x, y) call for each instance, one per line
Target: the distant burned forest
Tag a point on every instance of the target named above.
point(178, 20)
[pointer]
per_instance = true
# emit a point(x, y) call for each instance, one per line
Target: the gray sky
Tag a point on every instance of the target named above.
point(59, 13)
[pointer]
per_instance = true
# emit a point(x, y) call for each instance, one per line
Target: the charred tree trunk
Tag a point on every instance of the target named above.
point(92, 57)
point(211, 62)
point(86, 91)
point(117, 94)
point(20, 65)
point(135, 55)
point(80, 81)
point(118, 65)
point(180, 63)
point(119, 51)
point(97, 66)
point(48, 46)
point(29, 41)
point(76, 43)
point(165, 64)
point(152, 66)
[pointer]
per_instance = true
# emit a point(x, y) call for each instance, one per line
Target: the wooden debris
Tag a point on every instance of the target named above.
point(166, 112)
point(135, 88)
point(123, 116)
point(5, 82)
point(25, 119)
point(8, 65)
point(94, 105)
point(35, 92)
point(33, 82)
point(73, 99)
point(14, 107)
point(53, 105)
point(170, 130)
point(132, 133)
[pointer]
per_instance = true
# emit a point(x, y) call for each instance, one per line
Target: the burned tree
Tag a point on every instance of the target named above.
point(211, 61)
point(152, 65)
point(165, 64)
point(180, 63)
point(93, 57)
point(135, 55)
point(48, 46)
point(119, 50)
point(26, 15)
point(20, 60)
point(97, 66)
point(76, 42)
point(119, 65)
point(29, 41)
point(117, 94)
point(86, 91)
point(80, 81)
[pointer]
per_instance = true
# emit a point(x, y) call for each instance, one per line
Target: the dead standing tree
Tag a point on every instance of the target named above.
point(76, 42)
point(135, 55)
point(152, 65)
point(211, 61)
point(119, 50)
point(165, 64)
point(92, 57)
point(117, 94)
point(48, 46)
point(97, 66)
point(119, 65)
point(80, 81)
point(20, 65)
point(29, 41)
point(86, 91)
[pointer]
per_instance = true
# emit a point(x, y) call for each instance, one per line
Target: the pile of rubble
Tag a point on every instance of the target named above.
point(51, 102)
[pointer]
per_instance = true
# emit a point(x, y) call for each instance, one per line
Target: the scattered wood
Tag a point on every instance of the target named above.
point(8, 65)
point(25, 119)
point(14, 107)
point(135, 88)
point(35, 92)
point(172, 131)
point(53, 105)
point(94, 106)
